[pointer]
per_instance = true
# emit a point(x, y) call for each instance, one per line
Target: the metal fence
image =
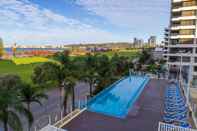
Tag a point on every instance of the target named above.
point(170, 127)
point(52, 128)
point(55, 117)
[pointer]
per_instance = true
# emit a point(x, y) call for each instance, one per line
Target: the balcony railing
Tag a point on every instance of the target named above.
point(170, 127)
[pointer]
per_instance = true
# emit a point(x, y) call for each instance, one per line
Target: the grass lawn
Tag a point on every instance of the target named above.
point(30, 60)
point(24, 71)
point(126, 53)
point(22, 66)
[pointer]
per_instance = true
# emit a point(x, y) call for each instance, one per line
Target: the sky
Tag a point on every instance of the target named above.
point(44, 22)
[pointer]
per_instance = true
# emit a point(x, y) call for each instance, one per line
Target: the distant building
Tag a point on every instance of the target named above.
point(1, 48)
point(14, 48)
point(138, 43)
point(152, 41)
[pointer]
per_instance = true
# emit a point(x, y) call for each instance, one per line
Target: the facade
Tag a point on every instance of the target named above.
point(138, 43)
point(157, 53)
point(152, 41)
point(166, 42)
point(182, 46)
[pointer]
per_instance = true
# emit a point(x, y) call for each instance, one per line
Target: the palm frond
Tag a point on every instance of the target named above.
point(14, 121)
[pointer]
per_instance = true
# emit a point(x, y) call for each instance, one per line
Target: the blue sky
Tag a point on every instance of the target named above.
point(35, 22)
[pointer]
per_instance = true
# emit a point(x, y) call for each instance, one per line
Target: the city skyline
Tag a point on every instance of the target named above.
point(37, 22)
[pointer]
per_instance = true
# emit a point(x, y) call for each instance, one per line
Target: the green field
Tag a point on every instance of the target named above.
point(126, 53)
point(24, 66)
point(24, 71)
point(30, 60)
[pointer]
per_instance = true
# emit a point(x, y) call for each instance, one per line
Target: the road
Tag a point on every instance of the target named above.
point(51, 107)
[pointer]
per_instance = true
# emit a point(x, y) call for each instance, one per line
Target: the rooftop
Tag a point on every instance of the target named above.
point(144, 115)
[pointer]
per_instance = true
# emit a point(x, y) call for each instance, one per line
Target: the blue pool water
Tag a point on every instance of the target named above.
point(117, 99)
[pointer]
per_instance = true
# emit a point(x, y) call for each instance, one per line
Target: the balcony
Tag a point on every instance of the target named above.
point(173, 36)
point(177, 1)
point(179, 59)
point(186, 8)
point(181, 45)
point(184, 18)
point(179, 27)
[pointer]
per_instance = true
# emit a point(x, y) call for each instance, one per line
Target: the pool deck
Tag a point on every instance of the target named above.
point(144, 116)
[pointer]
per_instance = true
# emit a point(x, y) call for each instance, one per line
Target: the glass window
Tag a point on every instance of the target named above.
point(187, 32)
point(188, 13)
point(190, 3)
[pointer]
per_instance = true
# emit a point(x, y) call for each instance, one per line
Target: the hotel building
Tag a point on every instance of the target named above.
point(182, 46)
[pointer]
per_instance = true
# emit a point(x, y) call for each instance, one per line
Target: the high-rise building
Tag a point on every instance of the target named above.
point(182, 47)
point(138, 43)
point(152, 41)
point(166, 42)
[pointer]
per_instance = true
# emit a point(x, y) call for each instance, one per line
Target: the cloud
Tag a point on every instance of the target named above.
point(138, 18)
point(127, 12)
point(28, 23)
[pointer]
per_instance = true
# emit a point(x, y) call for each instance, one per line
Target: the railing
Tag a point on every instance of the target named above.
point(46, 120)
point(57, 118)
point(58, 125)
point(62, 122)
point(170, 127)
point(52, 128)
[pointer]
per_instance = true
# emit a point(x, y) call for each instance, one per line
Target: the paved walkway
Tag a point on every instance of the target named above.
point(144, 116)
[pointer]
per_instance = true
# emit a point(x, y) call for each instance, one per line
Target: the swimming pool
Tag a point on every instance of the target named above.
point(119, 97)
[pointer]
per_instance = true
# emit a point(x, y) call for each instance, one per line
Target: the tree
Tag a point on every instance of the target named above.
point(64, 59)
point(10, 81)
point(48, 73)
point(153, 68)
point(91, 78)
point(90, 74)
point(1, 48)
point(145, 56)
point(105, 73)
point(29, 95)
point(70, 83)
point(120, 65)
point(10, 103)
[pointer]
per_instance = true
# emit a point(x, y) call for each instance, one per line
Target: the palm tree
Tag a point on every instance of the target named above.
point(70, 83)
point(29, 95)
point(46, 73)
point(10, 103)
point(91, 78)
point(105, 73)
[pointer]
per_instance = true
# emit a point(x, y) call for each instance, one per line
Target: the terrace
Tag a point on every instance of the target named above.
point(147, 113)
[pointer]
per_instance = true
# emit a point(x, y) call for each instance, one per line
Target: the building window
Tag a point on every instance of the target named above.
point(188, 13)
point(186, 59)
point(187, 32)
point(189, 3)
point(187, 22)
point(186, 41)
